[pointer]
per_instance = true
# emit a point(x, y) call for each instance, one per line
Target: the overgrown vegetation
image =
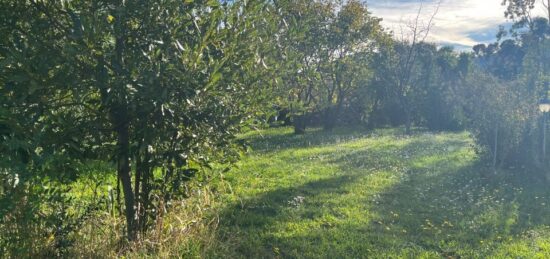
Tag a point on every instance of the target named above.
point(121, 119)
point(156, 88)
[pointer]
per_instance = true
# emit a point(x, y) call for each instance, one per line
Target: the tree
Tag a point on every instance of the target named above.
point(303, 24)
point(400, 61)
point(502, 98)
point(521, 9)
point(352, 38)
point(327, 48)
point(149, 85)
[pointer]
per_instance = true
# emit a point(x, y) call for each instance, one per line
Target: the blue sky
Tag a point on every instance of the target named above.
point(460, 23)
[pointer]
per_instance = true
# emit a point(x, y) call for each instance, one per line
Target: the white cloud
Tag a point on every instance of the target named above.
point(457, 22)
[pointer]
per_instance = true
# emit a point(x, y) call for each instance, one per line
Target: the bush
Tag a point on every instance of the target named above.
point(502, 118)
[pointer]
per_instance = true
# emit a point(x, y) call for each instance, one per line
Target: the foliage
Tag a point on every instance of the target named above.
point(521, 10)
point(327, 48)
point(502, 100)
point(110, 108)
point(501, 118)
point(428, 94)
point(149, 85)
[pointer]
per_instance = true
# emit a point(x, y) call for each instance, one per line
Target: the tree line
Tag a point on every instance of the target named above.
point(157, 91)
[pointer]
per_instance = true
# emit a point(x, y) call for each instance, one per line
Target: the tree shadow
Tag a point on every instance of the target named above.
point(285, 139)
point(420, 197)
point(457, 212)
point(258, 219)
point(252, 220)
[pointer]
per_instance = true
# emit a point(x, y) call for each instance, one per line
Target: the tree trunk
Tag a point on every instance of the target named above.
point(118, 203)
point(337, 112)
point(403, 102)
point(145, 194)
point(543, 138)
point(495, 149)
point(137, 190)
point(142, 190)
point(124, 174)
point(328, 120)
point(120, 120)
point(299, 124)
point(408, 122)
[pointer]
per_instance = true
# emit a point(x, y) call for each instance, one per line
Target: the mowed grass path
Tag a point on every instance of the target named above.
point(359, 194)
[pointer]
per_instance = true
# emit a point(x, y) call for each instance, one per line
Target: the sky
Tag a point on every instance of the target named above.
point(458, 23)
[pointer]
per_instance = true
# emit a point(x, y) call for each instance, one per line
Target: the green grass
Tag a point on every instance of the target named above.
point(380, 194)
point(350, 193)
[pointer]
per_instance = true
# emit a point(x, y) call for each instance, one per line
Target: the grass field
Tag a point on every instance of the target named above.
point(379, 195)
point(356, 194)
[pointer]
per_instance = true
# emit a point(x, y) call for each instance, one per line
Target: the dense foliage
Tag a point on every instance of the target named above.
point(503, 97)
point(133, 99)
point(158, 88)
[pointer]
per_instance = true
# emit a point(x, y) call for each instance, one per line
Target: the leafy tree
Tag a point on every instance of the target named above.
point(499, 116)
point(521, 9)
point(352, 38)
point(327, 50)
point(400, 66)
point(503, 114)
point(149, 85)
point(443, 71)
point(303, 25)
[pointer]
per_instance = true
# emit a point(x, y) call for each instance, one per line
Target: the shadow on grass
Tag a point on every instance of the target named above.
point(461, 213)
point(251, 221)
point(435, 201)
point(278, 139)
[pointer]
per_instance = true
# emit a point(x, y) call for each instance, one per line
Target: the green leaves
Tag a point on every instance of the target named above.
point(323, 55)
point(178, 77)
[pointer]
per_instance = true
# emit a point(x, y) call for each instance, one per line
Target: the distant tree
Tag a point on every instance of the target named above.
point(352, 38)
point(326, 48)
point(398, 63)
point(521, 10)
point(444, 71)
point(503, 59)
point(303, 26)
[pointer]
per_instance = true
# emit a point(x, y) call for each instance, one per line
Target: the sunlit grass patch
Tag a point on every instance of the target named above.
point(369, 194)
point(353, 193)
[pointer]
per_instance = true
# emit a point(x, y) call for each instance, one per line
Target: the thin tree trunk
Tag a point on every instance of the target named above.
point(328, 123)
point(405, 107)
point(495, 149)
point(137, 190)
point(299, 124)
point(338, 109)
point(124, 173)
point(119, 115)
point(118, 203)
point(145, 192)
point(543, 138)
point(408, 122)
point(141, 190)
